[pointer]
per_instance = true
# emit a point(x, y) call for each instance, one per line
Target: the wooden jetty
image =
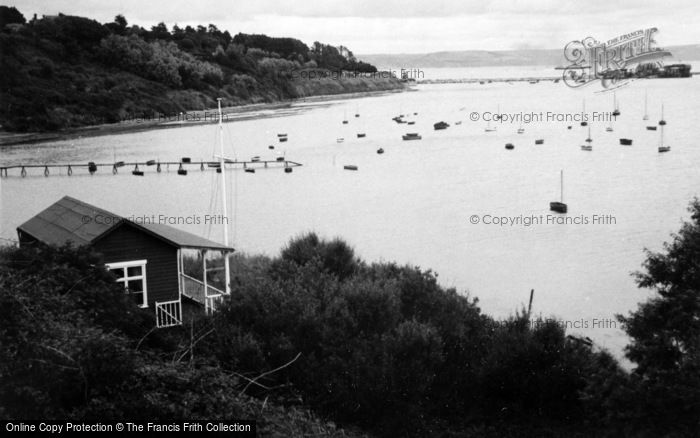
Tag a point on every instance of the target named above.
point(93, 167)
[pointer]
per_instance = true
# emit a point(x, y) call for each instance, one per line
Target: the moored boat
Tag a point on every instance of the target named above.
point(559, 206)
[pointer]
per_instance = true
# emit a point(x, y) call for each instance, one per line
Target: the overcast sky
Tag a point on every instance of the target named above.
point(406, 26)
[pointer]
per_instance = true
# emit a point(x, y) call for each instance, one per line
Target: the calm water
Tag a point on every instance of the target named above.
point(413, 204)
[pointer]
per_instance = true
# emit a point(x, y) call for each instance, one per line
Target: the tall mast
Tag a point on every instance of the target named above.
point(227, 272)
point(662, 122)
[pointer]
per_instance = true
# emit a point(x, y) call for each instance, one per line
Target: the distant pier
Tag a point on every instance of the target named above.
point(142, 167)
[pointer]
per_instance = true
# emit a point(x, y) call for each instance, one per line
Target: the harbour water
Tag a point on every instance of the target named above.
point(436, 202)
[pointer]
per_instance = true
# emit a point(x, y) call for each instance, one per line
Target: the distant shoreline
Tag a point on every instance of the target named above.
point(231, 114)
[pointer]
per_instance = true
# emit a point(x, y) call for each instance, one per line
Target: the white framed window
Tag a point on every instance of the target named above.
point(132, 275)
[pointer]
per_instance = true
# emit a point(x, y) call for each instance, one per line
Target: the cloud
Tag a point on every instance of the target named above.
point(405, 26)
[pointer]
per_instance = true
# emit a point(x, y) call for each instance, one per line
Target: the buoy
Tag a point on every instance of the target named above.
point(186, 159)
point(287, 170)
point(150, 162)
point(250, 170)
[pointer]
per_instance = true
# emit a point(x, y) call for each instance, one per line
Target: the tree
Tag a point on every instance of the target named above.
point(9, 15)
point(665, 332)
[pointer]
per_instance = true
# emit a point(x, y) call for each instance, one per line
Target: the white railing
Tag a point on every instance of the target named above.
point(168, 313)
point(194, 289)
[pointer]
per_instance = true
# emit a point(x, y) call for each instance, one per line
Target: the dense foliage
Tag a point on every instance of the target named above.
point(72, 346)
point(65, 71)
point(379, 347)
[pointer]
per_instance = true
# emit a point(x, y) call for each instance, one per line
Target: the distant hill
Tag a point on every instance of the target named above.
point(480, 58)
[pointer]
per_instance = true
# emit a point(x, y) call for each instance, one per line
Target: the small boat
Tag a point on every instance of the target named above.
point(345, 118)
point(380, 151)
point(287, 170)
point(539, 141)
point(588, 146)
point(411, 122)
point(350, 167)
point(440, 125)
point(415, 114)
point(568, 127)
point(282, 139)
point(510, 146)
point(119, 164)
point(626, 142)
point(616, 111)
point(214, 164)
point(411, 136)
point(458, 122)
point(281, 135)
point(559, 206)
point(533, 82)
point(255, 159)
point(136, 171)
point(340, 140)
point(186, 160)
point(92, 167)
point(270, 147)
point(250, 170)
point(361, 135)
point(280, 158)
point(609, 129)
point(584, 122)
point(345, 122)
point(651, 128)
point(662, 123)
point(184, 172)
point(150, 162)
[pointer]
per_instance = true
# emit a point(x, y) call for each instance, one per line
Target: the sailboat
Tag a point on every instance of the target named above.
point(615, 113)
point(488, 123)
point(345, 117)
point(646, 113)
point(584, 122)
point(588, 146)
point(559, 206)
point(357, 111)
point(616, 110)
point(227, 269)
point(662, 123)
point(521, 129)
